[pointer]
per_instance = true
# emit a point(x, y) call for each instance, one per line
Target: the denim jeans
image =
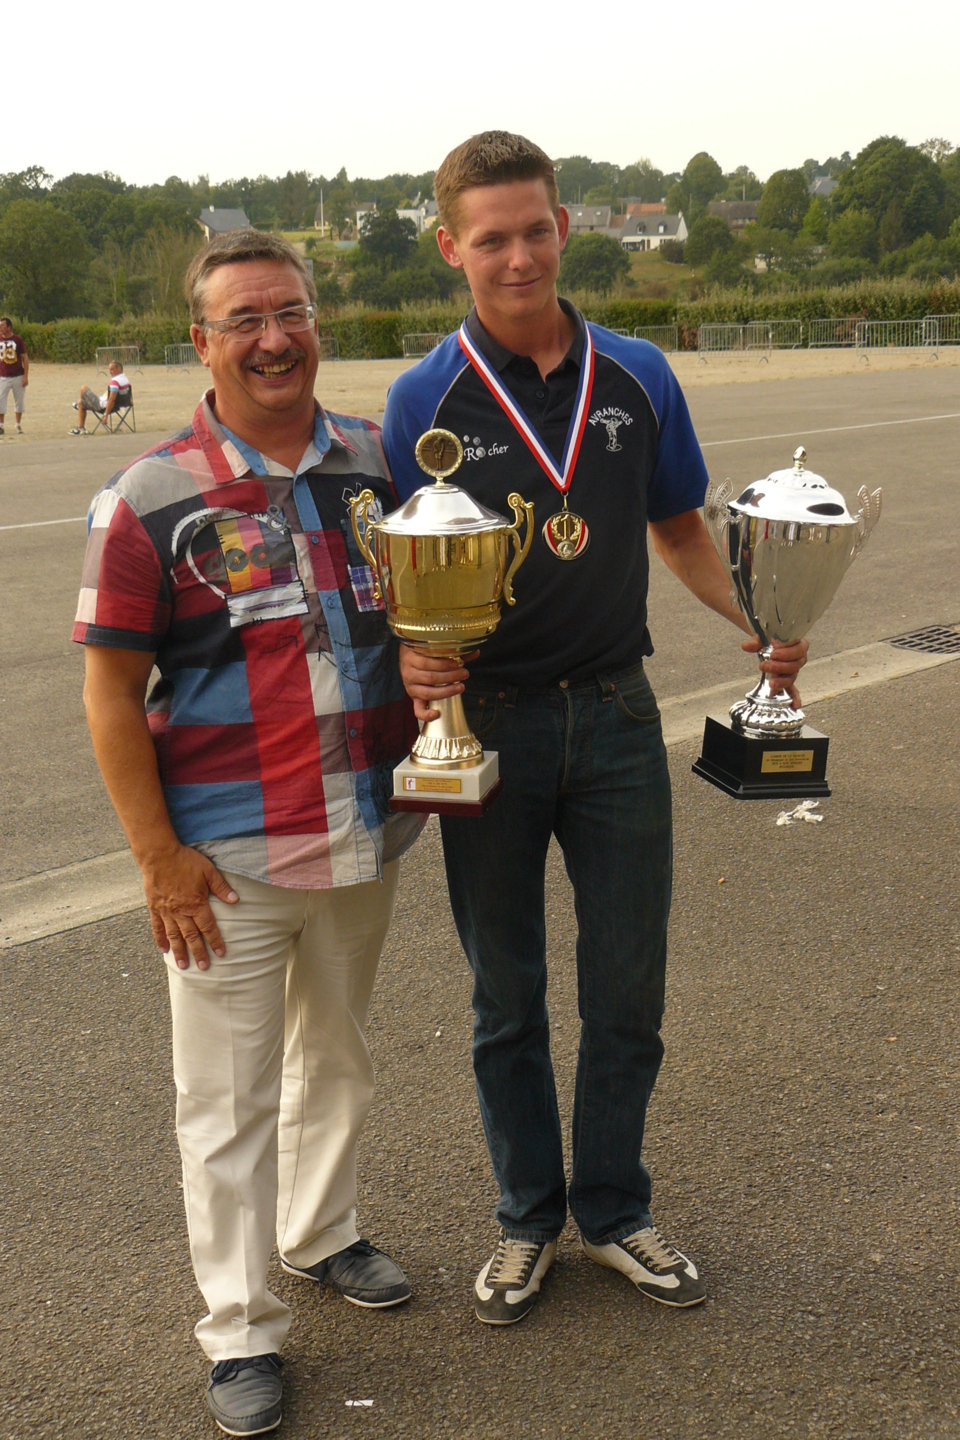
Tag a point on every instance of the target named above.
point(585, 762)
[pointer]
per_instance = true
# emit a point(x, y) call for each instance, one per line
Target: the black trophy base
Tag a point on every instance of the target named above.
point(777, 768)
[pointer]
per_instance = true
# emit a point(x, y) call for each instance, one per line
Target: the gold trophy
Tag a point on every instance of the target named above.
point(440, 564)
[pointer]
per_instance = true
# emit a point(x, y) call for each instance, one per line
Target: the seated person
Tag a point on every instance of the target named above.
point(104, 404)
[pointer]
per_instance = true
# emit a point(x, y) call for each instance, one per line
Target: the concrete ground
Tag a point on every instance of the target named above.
point(803, 1136)
point(165, 399)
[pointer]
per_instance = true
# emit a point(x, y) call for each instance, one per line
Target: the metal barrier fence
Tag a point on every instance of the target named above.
point(784, 334)
point(832, 334)
point(126, 355)
point(416, 346)
point(948, 328)
point(754, 335)
point(329, 347)
point(180, 357)
point(614, 331)
point(896, 334)
point(665, 337)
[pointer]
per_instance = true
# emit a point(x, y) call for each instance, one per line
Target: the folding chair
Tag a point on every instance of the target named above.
point(122, 414)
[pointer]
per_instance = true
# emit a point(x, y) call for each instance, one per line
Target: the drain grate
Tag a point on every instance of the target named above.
point(932, 640)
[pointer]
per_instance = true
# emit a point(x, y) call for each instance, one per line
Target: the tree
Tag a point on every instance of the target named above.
point(593, 262)
point(853, 234)
point(43, 257)
point(938, 150)
point(386, 241)
point(815, 223)
point(701, 182)
point(643, 180)
point(672, 251)
point(784, 202)
point(742, 184)
point(708, 235)
point(888, 171)
point(575, 176)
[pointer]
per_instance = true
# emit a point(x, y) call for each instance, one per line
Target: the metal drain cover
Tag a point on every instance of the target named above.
point(931, 640)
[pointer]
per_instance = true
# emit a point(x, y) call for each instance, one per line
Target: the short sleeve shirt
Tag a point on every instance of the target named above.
point(278, 715)
point(639, 460)
point(12, 351)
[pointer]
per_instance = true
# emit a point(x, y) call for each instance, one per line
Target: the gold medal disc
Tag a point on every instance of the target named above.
point(439, 453)
point(566, 534)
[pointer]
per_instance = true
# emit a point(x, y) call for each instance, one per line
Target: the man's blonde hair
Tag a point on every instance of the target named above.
point(238, 247)
point(493, 158)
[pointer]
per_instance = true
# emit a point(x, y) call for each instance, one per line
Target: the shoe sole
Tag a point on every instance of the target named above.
point(488, 1320)
point(659, 1299)
point(266, 1429)
point(363, 1304)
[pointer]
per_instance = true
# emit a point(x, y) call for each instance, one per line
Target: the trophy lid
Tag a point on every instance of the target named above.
point(441, 509)
point(796, 494)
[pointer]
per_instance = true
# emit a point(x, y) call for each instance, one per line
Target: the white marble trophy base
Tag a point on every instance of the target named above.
point(447, 791)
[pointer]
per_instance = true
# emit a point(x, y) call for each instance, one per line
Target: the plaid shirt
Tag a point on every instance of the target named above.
point(279, 713)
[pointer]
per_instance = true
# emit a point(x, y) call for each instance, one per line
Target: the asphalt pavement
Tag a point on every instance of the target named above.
point(803, 1134)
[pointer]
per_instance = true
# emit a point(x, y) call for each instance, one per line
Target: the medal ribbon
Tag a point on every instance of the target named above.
point(561, 478)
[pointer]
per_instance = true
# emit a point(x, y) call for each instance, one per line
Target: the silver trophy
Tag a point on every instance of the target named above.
point(786, 542)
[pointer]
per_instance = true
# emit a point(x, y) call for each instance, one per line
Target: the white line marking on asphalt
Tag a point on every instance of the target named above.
point(90, 890)
point(33, 524)
point(830, 430)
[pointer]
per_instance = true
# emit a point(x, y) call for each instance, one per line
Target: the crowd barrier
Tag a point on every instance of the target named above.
point(180, 357)
point(128, 356)
point(416, 346)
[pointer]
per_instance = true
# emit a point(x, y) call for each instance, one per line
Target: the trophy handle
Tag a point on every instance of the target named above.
point(716, 517)
point(869, 515)
point(359, 506)
point(522, 510)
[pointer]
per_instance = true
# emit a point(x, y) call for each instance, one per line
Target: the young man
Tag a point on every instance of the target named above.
point(14, 372)
point(594, 430)
point(104, 404)
point(253, 785)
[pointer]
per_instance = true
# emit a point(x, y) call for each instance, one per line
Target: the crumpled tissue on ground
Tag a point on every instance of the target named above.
point(803, 811)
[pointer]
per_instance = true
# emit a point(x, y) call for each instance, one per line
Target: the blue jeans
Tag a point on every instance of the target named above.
point(585, 762)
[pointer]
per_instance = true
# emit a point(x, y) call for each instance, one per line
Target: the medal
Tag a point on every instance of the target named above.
point(565, 534)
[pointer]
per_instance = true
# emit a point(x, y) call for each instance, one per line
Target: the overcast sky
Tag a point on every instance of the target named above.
point(186, 87)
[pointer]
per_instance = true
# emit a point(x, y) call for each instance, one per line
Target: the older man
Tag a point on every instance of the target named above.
point(254, 786)
point(117, 391)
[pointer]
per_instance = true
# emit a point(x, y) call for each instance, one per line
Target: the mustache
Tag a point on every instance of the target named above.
point(292, 352)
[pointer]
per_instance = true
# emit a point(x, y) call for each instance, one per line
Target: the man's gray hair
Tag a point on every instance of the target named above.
point(236, 248)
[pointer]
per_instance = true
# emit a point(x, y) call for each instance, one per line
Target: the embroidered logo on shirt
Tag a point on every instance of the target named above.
point(611, 418)
point(478, 451)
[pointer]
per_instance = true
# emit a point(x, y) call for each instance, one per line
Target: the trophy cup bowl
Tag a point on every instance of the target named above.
point(443, 564)
point(786, 543)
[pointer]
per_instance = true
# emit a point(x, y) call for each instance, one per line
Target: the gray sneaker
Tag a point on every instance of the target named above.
point(656, 1268)
point(362, 1274)
point(508, 1286)
point(245, 1396)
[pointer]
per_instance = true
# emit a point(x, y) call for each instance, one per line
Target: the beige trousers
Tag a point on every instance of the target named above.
point(274, 1081)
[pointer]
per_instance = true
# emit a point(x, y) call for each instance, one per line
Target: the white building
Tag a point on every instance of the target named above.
point(648, 232)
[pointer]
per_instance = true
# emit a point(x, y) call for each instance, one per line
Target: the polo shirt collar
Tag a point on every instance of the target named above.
point(239, 459)
point(500, 357)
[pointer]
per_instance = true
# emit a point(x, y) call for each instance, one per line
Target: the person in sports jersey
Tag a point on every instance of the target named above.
point(14, 372)
point(594, 430)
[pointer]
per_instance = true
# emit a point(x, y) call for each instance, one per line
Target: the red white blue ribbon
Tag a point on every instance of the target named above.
point(561, 477)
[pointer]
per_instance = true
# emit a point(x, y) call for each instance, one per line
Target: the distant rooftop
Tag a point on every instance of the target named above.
point(221, 222)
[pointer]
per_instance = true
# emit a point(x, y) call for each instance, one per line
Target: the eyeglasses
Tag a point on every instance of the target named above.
point(291, 320)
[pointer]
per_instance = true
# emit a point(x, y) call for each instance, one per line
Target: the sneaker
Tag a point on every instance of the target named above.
point(362, 1274)
point(508, 1286)
point(245, 1396)
point(77, 430)
point(656, 1268)
point(19, 430)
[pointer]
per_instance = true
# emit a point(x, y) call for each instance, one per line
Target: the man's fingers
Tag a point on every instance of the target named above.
point(219, 886)
point(211, 930)
point(176, 946)
point(196, 944)
point(423, 711)
point(159, 932)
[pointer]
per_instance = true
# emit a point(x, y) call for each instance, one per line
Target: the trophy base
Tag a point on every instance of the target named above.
point(775, 767)
point(465, 792)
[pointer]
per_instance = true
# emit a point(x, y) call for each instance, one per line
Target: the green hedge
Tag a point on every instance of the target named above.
point(377, 334)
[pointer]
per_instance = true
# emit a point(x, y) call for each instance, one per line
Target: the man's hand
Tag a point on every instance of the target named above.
point(24, 380)
point(784, 664)
point(428, 678)
point(177, 890)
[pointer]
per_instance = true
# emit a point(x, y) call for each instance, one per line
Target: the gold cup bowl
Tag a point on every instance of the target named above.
point(443, 564)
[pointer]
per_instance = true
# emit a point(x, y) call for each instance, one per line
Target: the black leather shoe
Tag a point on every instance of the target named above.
point(362, 1274)
point(245, 1396)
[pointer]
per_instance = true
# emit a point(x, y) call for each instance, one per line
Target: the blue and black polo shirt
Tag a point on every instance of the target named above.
point(639, 460)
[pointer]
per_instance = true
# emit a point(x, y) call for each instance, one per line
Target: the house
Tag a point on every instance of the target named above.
point(646, 207)
point(364, 210)
point(821, 186)
point(220, 222)
point(737, 213)
point(584, 219)
point(648, 232)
